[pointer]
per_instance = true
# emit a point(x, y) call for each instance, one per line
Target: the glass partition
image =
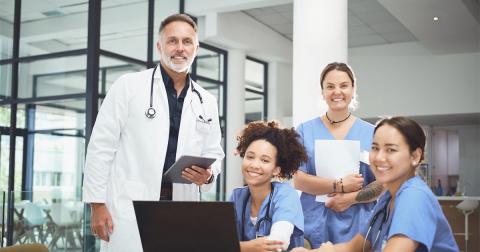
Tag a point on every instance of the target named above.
point(51, 77)
point(253, 107)
point(111, 69)
point(53, 220)
point(210, 64)
point(56, 147)
point(6, 28)
point(3, 217)
point(5, 81)
point(254, 74)
point(52, 26)
point(255, 89)
point(121, 35)
point(217, 91)
point(5, 115)
point(5, 160)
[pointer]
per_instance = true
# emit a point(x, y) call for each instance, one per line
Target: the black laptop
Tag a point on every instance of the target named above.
point(187, 226)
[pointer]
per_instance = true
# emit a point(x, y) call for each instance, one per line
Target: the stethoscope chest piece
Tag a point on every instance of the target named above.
point(150, 113)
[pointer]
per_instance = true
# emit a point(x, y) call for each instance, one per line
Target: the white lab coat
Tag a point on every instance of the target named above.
point(127, 150)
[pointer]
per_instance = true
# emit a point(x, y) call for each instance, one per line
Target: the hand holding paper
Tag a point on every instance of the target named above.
point(337, 159)
point(352, 182)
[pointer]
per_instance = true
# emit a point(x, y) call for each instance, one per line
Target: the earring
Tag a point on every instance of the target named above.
point(414, 163)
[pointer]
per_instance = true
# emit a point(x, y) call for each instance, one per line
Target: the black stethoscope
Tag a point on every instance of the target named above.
point(383, 211)
point(265, 218)
point(150, 112)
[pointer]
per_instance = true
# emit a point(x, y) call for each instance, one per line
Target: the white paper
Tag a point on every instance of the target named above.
point(336, 159)
point(365, 157)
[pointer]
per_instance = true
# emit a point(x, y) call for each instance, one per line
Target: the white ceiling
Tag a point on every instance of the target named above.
point(369, 23)
point(372, 22)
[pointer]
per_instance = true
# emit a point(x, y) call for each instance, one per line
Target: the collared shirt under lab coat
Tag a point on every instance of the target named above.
point(127, 150)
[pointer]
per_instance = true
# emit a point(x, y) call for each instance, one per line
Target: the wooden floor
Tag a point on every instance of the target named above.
point(457, 221)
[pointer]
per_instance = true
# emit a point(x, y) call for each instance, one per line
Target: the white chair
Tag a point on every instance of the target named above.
point(67, 217)
point(34, 218)
point(467, 207)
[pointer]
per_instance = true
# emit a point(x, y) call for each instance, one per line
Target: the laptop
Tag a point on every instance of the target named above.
point(187, 226)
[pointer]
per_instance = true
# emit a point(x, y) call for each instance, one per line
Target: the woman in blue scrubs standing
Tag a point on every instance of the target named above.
point(268, 214)
point(348, 208)
point(407, 216)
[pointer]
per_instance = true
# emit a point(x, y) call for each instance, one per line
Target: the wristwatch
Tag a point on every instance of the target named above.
point(210, 180)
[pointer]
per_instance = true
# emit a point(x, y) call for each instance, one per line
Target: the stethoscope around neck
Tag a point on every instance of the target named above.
point(384, 210)
point(265, 218)
point(150, 113)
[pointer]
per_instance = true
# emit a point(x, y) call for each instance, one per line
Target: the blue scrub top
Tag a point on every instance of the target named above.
point(284, 206)
point(416, 214)
point(323, 224)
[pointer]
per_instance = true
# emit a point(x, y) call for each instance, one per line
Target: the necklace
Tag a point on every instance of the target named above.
point(334, 122)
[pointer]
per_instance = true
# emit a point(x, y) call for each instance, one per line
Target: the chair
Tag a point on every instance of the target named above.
point(467, 207)
point(67, 217)
point(34, 219)
point(33, 247)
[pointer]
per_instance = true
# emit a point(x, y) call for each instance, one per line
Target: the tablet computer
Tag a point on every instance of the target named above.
point(174, 173)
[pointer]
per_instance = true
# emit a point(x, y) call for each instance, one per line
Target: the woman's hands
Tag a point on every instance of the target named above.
point(344, 197)
point(351, 183)
point(325, 247)
point(261, 245)
point(340, 201)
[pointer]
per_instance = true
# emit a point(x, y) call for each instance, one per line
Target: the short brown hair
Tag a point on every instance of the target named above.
point(290, 152)
point(340, 67)
point(178, 18)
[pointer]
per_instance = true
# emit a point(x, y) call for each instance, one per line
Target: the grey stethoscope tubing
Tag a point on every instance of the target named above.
point(266, 218)
point(151, 112)
point(372, 223)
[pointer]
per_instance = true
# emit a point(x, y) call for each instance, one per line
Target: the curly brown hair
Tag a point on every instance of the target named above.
point(290, 152)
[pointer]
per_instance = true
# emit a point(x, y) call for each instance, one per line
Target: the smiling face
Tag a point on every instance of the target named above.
point(337, 90)
point(259, 163)
point(177, 46)
point(391, 159)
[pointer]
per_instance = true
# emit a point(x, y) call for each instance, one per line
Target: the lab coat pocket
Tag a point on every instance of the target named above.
point(127, 191)
point(202, 127)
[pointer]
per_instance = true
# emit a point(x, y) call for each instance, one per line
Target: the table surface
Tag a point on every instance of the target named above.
point(458, 198)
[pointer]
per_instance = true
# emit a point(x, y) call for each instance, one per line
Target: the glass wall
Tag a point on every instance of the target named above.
point(52, 77)
point(256, 72)
point(53, 26)
point(6, 29)
point(209, 71)
point(5, 81)
point(49, 114)
point(43, 122)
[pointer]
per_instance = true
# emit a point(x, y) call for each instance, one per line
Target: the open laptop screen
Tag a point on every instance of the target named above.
point(187, 226)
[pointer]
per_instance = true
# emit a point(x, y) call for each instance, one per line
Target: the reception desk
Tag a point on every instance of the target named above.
point(457, 221)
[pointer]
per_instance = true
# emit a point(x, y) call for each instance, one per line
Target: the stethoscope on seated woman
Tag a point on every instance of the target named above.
point(372, 223)
point(151, 112)
point(266, 218)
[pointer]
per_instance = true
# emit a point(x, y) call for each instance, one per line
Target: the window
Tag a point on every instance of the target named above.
point(256, 72)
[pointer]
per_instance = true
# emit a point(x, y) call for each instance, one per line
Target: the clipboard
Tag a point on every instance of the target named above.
point(174, 173)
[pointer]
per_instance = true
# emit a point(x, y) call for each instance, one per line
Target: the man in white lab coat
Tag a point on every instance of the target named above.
point(147, 121)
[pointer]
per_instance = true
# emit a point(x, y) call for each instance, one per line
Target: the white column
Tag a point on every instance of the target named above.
point(319, 37)
point(235, 117)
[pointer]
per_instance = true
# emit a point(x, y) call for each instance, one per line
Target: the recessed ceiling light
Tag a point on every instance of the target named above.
point(435, 18)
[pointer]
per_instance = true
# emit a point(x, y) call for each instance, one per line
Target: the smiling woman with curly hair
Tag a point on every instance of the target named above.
point(269, 214)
